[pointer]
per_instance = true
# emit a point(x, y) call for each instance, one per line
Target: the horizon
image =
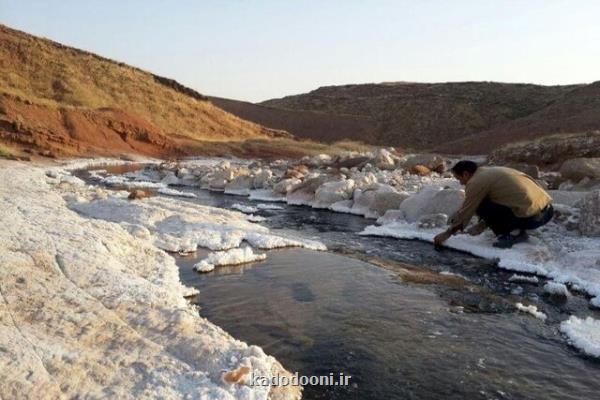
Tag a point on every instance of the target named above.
point(203, 46)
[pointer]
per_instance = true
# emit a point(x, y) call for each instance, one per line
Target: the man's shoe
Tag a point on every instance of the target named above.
point(507, 241)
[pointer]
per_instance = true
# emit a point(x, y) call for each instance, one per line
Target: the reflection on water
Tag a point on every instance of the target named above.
point(321, 312)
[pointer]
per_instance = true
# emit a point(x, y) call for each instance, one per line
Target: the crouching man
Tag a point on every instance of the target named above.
point(507, 201)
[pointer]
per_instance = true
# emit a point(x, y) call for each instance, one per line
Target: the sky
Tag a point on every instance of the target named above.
point(257, 50)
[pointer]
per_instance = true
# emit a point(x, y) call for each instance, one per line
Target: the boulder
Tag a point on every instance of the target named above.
point(304, 193)
point(374, 201)
point(332, 192)
point(589, 220)
point(170, 179)
point(391, 216)
point(353, 162)
point(419, 170)
point(137, 194)
point(432, 200)
point(432, 161)
point(529, 169)
point(388, 200)
point(566, 197)
point(239, 185)
point(429, 221)
point(384, 160)
point(286, 185)
point(262, 178)
point(576, 169)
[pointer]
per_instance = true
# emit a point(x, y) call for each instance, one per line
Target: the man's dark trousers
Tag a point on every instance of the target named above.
point(501, 220)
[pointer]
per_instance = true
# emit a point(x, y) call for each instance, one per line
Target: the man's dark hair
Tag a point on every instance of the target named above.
point(464, 166)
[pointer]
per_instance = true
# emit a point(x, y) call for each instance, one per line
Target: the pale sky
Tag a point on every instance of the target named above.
point(256, 50)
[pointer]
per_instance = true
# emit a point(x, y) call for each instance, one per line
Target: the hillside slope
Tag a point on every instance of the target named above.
point(69, 101)
point(578, 111)
point(421, 116)
point(305, 124)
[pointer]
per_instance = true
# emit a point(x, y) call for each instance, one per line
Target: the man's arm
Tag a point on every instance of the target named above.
point(475, 192)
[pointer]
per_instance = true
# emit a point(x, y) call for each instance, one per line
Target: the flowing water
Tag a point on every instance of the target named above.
point(327, 312)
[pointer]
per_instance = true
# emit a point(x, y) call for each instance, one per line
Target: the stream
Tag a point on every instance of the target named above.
point(446, 330)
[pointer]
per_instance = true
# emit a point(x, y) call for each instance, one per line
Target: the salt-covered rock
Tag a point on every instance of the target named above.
point(589, 220)
point(304, 193)
point(529, 169)
point(388, 199)
point(237, 256)
point(432, 200)
point(384, 160)
point(240, 185)
point(170, 179)
point(583, 334)
point(331, 192)
point(433, 162)
point(430, 221)
point(137, 194)
point(419, 170)
point(556, 289)
point(567, 197)
point(262, 178)
point(578, 168)
point(286, 185)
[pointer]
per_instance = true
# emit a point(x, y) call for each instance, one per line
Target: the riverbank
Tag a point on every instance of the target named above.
point(94, 307)
point(410, 197)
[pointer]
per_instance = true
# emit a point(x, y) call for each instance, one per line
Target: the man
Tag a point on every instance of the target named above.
point(506, 201)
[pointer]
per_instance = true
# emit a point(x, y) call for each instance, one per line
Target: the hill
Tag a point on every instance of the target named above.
point(576, 112)
point(423, 115)
point(305, 124)
point(65, 101)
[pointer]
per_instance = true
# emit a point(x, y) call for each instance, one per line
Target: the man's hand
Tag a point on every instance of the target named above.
point(440, 238)
point(477, 229)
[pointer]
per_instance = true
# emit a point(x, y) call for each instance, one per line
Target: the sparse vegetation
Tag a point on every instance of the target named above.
point(5, 152)
point(50, 74)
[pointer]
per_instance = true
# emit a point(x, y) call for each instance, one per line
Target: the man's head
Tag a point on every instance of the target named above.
point(464, 170)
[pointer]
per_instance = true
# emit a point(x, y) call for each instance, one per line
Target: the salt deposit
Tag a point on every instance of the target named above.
point(92, 308)
point(230, 257)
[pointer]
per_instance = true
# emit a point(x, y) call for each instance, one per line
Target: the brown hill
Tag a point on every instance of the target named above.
point(68, 101)
point(304, 124)
point(578, 111)
point(420, 115)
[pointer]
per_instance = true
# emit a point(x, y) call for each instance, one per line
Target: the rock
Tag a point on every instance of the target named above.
point(240, 184)
point(353, 162)
point(388, 200)
point(432, 200)
point(320, 160)
point(391, 216)
point(332, 192)
point(384, 160)
point(529, 169)
point(304, 193)
point(429, 221)
point(374, 201)
point(567, 216)
point(298, 172)
point(567, 197)
point(262, 179)
point(419, 170)
point(364, 181)
point(219, 179)
point(576, 169)
point(433, 162)
point(170, 179)
point(286, 185)
point(589, 221)
point(137, 194)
